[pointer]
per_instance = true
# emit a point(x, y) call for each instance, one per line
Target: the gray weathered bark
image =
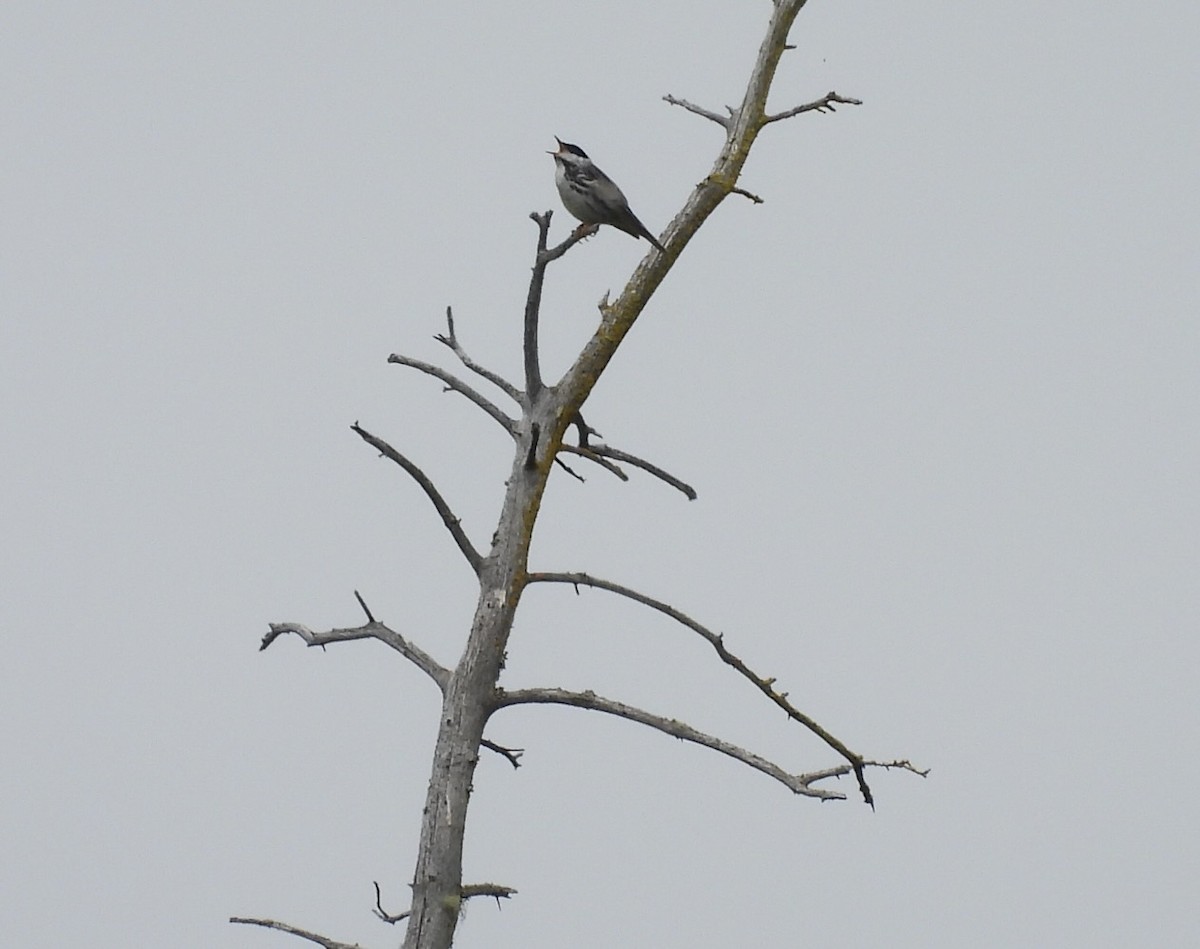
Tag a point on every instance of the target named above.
point(471, 695)
point(470, 691)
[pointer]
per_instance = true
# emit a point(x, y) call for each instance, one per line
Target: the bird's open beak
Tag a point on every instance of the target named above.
point(558, 150)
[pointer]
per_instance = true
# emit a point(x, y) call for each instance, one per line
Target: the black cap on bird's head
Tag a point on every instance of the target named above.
point(568, 148)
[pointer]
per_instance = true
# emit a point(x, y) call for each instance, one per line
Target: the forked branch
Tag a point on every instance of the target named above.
point(844, 769)
point(607, 451)
point(741, 128)
point(470, 890)
point(511, 755)
point(450, 339)
point(717, 641)
point(827, 103)
point(591, 455)
point(721, 120)
point(371, 629)
point(471, 694)
point(607, 457)
point(533, 302)
point(797, 783)
point(824, 104)
point(600, 454)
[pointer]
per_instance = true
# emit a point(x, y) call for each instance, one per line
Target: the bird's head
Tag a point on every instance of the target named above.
point(566, 151)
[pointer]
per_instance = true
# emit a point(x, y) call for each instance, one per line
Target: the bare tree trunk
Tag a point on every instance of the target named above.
point(470, 696)
point(471, 692)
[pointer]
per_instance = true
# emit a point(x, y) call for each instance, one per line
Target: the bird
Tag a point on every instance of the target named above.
point(593, 197)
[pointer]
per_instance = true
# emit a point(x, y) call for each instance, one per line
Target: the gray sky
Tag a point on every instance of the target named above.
point(938, 395)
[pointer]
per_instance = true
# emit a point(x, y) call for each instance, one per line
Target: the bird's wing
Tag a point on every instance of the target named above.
point(607, 190)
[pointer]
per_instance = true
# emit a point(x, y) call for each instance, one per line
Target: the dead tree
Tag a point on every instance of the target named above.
point(539, 417)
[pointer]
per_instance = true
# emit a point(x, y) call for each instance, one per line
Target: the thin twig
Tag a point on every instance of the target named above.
point(746, 194)
point(457, 385)
point(453, 524)
point(470, 890)
point(363, 603)
point(451, 340)
point(599, 453)
point(844, 769)
point(383, 914)
point(533, 307)
point(296, 931)
point(591, 455)
point(607, 451)
point(417, 656)
point(711, 116)
point(741, 129)
point(717, 641)
point(580, 233)
point(568, 469)
point(513, 755)
point(823, 104)
point(496, 890)
point(533, 301)
point(668, 726)
point(583, 428)
point(372, 629)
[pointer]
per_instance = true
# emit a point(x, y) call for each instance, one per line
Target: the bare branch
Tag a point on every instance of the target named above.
point(363, 603)
point(372, 629)
point(796, 783)
point(466, 892)
point(457, 385)
point(581, 233)
point(383, 914)
point(547, 408)
point(823, 104)
point(599, 454)
point(453, 524)
point(495, 890)
point(717, 641)
point(295, 931)
point(583, 428)
point(741, 128)
point(533, 307)
point(513, 755)
point(568, 469)
point(711, 116)
point(900, 764)
point(858, 769)
point(844, 769)
point(615, 453)
point(591, 455)
point(746, 194)
point(533, 301)
point(451, 340)
point(417, 656)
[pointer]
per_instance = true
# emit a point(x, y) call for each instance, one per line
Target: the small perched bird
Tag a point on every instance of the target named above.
point(590, 195)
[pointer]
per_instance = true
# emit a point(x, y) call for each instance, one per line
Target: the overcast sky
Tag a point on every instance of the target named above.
point(938, 395)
